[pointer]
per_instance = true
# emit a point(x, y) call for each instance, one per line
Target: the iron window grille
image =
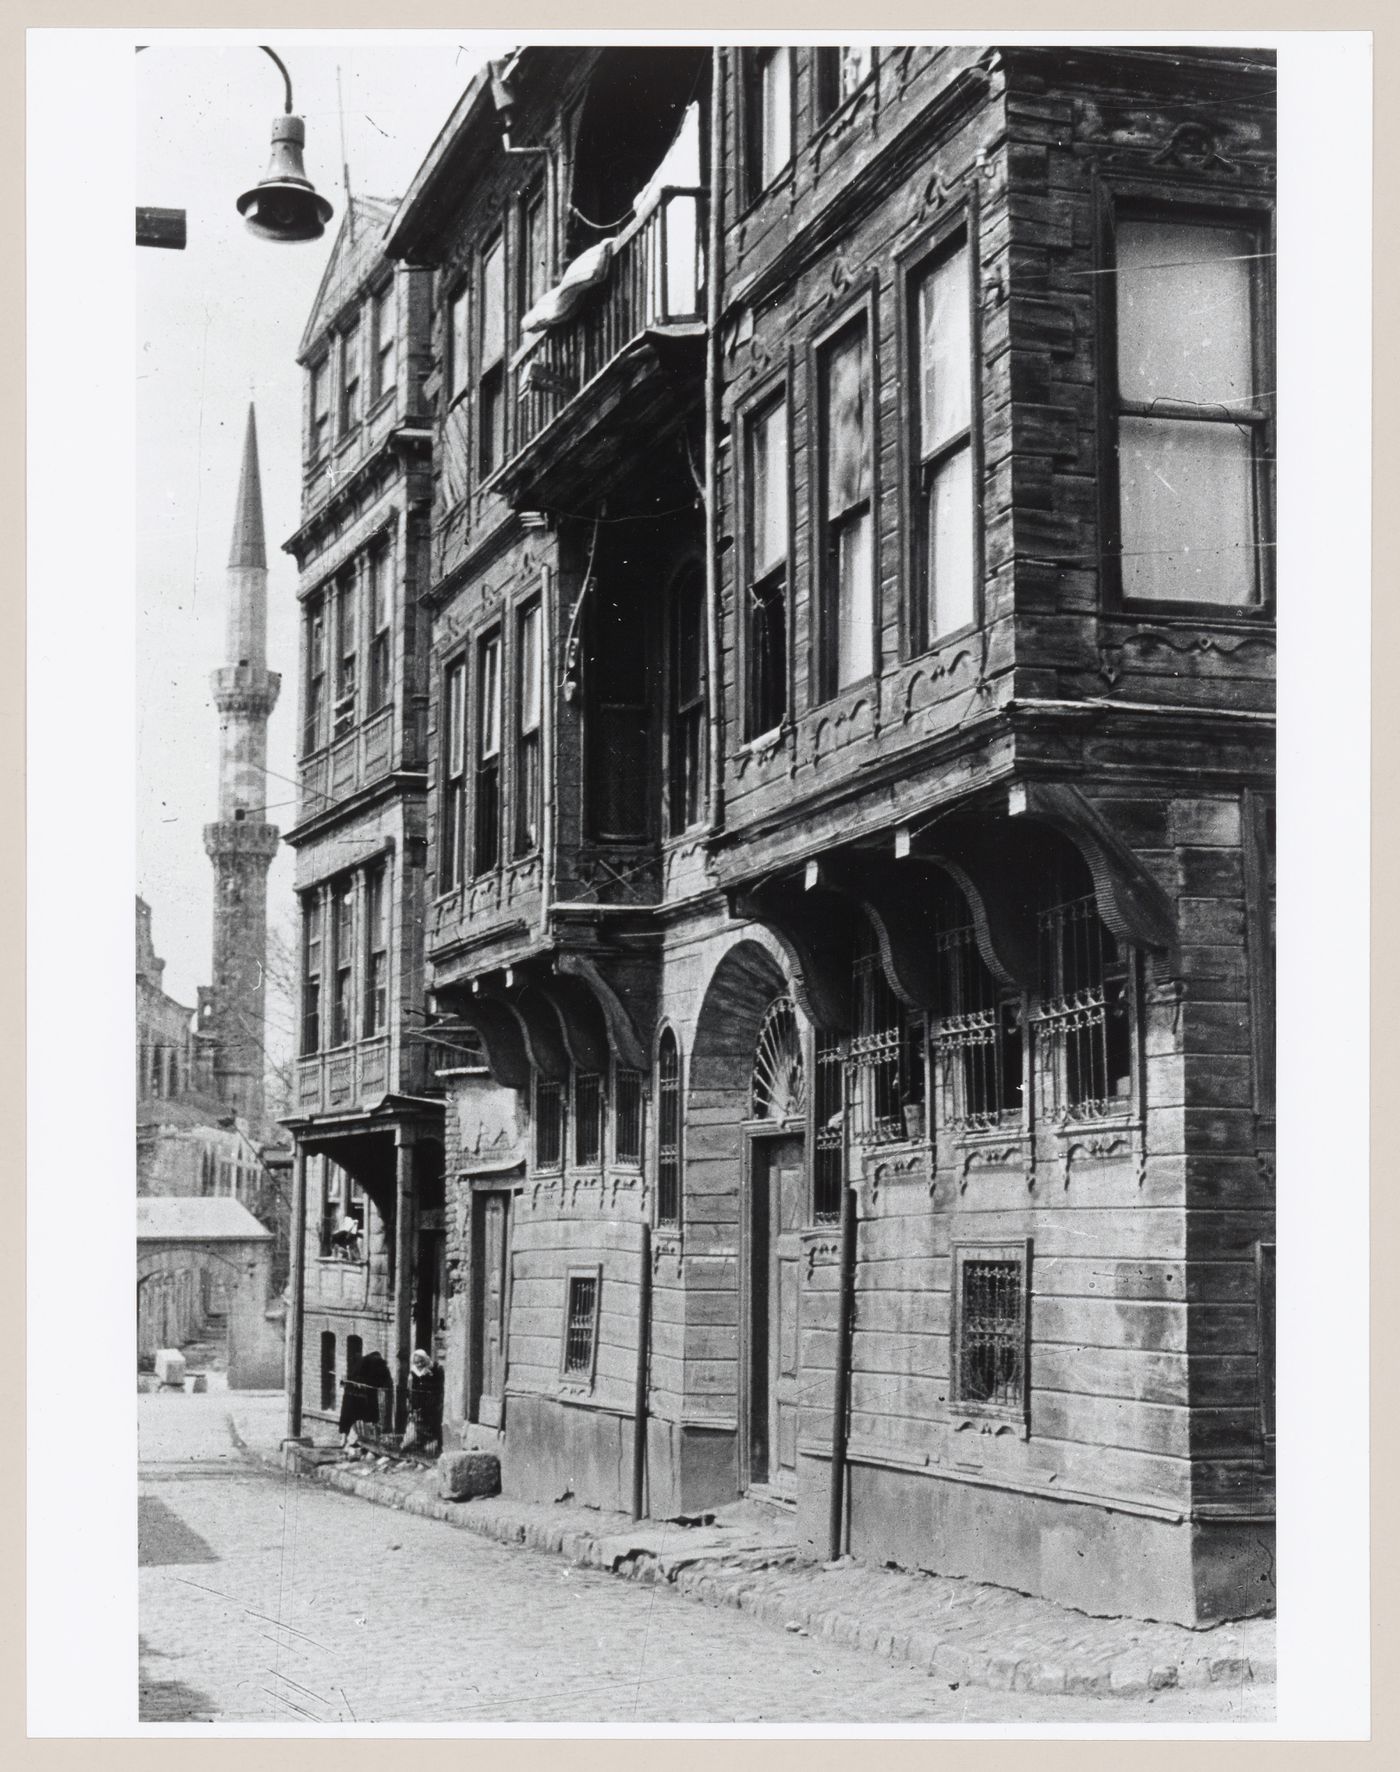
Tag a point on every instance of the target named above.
point(486, 852)
point(311, 975)
point(454, 749)
point(376, 983)
point(686, 762)
point(978, 1039)
point(342, 961)
point(668, 1131)
point(886, 1058)
point(580, 1351)
point(990, 1363)
point(1194, 409)
point(627, 1117)
point(549, 1124)
point(529, 708)
point(829, 1137)
point(945, 576)
point(847, 653)
point(1083, 1021)
point(377, 610)
point(766, 642)
point(778, 1086)
point(588, 1119)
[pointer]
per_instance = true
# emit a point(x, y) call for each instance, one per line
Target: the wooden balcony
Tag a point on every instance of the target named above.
point(626, 362)
point(349, 763)
point(345, 1077)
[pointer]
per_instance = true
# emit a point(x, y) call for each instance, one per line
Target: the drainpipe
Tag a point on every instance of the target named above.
point(713, 276)
point(297, 1326)
point(639, 1408)
point(840, 1407)
point(403, 1271)
point(549, 701)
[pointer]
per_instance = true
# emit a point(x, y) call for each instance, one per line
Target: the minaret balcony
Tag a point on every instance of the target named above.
point(627, 358)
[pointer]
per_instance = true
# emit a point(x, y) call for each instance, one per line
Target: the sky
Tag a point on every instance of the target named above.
point(216, 325)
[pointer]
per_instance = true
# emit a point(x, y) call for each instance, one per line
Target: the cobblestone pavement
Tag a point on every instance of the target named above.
point(276, 1601)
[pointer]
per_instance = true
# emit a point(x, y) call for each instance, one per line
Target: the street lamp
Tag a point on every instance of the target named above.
point(283, 205)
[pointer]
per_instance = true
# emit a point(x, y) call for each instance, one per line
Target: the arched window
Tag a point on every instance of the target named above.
point(668, 1131)
point(779, 1089)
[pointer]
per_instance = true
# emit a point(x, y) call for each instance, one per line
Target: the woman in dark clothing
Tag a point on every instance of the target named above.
point(363, 1383)
point(425, 1390)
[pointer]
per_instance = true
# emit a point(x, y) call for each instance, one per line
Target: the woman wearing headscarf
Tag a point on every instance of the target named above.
point(365, 1380)
point(425, 1401)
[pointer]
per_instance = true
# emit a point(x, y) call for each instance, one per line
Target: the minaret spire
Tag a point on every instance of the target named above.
point(241, 844)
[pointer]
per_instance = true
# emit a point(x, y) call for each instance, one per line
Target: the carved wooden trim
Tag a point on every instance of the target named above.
point(631, 1046)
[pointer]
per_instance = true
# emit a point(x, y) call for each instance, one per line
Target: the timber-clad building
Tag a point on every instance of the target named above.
point(847, 777)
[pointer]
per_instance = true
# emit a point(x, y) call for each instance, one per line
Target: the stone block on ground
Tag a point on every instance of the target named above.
point(170, 1367)
point(461, 1475)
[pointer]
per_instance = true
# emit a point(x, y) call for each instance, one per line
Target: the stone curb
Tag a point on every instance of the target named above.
point(764, 1594)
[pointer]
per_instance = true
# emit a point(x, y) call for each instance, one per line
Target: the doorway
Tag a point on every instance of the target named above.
point(777, 1196)
point(490, 1303)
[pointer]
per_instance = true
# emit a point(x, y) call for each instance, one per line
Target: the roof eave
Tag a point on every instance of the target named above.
point(412, 225)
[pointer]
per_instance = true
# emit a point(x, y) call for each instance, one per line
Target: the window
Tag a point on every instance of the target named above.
point(1083, 1015)
point(1193, 425)
point(382, 323)
point(311, 974)
point(349, 379)
point(491, 390)
point(342, 961)
point(459, 343)
point(486, 850)
point(778, 1088)
point(1266, 1297)
point(528, 701)
point(450, 836)
point(328, 1369)
point(668, 1131)
point(886, 1055)
point(376, 985)
point(313, 733)
point(978, 1038)
point(768, 117)
point(829, 1154)
point(847, 522)
point(838, 71)
point(581, 1325)
point(330, 1206)
point(765, 627)
point(991, 1328)
point(686, 761)
point(945, 579)
point(588, 1120)
point(377, 617)
point(549, 1124)
point(320, 408)
point(345, 655)
point(533, 269)
point(627, 1117)
point(619, 764)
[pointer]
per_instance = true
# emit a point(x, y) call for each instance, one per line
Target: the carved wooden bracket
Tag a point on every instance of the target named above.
point(630, 1045)
point(580, 1020)
point(500, 1037)
point(539, 1029)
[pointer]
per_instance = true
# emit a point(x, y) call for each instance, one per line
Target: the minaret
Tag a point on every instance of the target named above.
point(242, 844)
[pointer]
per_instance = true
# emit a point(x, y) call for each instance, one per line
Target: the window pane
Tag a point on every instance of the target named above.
point(769, 490)
point(530, 670)
point(855, 638)
point(847, 457)
point(459, 345)
point(493, 304)
point(1184, 312)
point(534, 253)
point(776, 122)
point(490, 698)
point(949, 553)
point(945, 350)
point(1186, 492)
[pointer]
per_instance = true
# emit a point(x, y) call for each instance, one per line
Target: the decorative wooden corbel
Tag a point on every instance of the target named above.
point(539, 1029)
point(813, 930)
point(631, 1048)
point(581, 1022)
point(500, 1035)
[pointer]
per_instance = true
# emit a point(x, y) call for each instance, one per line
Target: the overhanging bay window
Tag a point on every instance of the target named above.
point(944, 578)
point(491, 384)
point(1083, 1023)
point(766, 611)
point(529, 709)
point(847, 524)
point(686, 760)
point(1193, 413)
point(454, 772)
point(486, 849)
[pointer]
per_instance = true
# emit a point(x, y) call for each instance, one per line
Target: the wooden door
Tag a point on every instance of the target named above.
point(786, 1200)
point(490, 1286)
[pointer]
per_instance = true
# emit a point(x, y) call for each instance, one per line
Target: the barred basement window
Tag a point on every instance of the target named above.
point(627, 1107)
point(581, 1325)
point(978, 1038)
point(588, 1119)
point(885, 1055)
point(1083, 1016)
point(549, 1124)
point(778, 1090)
point(990, 1327)
point(327, 1369)
point(828, 1157)
point(668, 1131)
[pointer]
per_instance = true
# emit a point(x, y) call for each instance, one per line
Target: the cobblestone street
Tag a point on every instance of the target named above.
point(274, 1601)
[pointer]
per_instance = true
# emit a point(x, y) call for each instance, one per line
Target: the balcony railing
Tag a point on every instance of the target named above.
point(351, 762)
point(655, 278)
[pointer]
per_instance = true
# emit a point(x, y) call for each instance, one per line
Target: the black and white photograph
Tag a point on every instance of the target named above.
point(709, 1106)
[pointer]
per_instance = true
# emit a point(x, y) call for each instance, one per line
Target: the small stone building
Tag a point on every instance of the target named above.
point(204, 1265)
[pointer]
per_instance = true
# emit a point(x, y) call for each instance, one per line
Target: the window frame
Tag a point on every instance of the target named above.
point(949, 1052)
point(963, 1250)
point(488, 794)
point(670, 1151)
point(452, 805)
point(312, 976)
point(1186, 204)
point(342, 962)
point(374, 986)
point(766, 402)
point(752, 112)
point(528, 786)
point(379, 590)
point(915, 264)
point(686, 722)
point(635, 1080)
point(563, 1093)
point(489, 378)
point(383, 341)
point(1049, 1028)
point(823, 646)
point(457, 341)
point(583, 1378)
point(345, 658)
point(351, 367)
point(318, 617)
point(592, 1164)
point(318, 434)
point(827, 99)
